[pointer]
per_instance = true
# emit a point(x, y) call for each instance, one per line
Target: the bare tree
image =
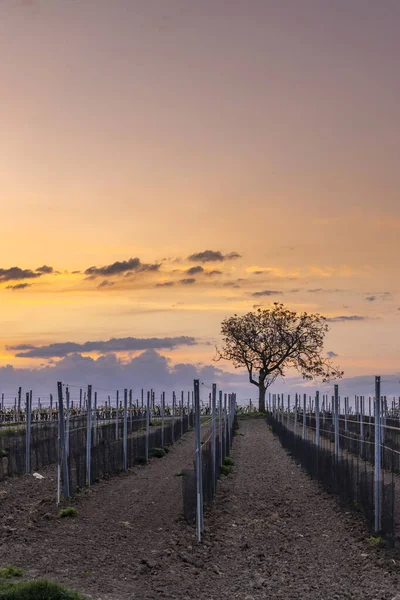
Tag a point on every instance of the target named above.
point(268, 342)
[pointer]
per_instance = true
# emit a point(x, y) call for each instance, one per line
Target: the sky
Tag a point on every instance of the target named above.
point(167, 163)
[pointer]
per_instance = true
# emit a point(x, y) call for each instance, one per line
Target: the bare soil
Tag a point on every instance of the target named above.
point(272, 533)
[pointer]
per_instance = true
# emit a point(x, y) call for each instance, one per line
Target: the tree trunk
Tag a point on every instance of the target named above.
point(261, 398)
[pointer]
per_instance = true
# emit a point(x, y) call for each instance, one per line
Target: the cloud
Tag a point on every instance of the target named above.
point(267, 293)
point(119, 267)
point(231, 284)
point(213, 272)
point(370, 298)
point(75, 272)
point(108, 372)
point(18, 286)
point(212, 256)
point(344, 319)
point(16, 273)
point(165, 284)
point(326, 291)
point(45, 270)
point(187, 281)
point(261, 272)
point(332, 354)
point(195, 270)
point(127, 344)
point(105, 283)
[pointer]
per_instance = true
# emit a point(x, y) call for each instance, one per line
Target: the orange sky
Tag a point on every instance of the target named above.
point(161, 129)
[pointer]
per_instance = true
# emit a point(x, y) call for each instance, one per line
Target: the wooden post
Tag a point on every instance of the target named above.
point(64, 459)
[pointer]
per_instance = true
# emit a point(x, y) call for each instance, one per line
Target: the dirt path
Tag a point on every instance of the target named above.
point(271, 534)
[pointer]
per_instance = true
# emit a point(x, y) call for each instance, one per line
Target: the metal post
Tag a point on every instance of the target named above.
point(336, 416)
point(173, 417)
point(377, 471)
point(317, 419)
point(225, 425)
point(130, 410)
point(288, 411)
point(199, 472)
point(304, 416)
point(88, 434)
point(64, 462)
point(51, 407)
point(95, 420)
point(116, 415)
point(221, 459)
point(181, 414)
point(147, 426)
point(67, 422)
point(125, 429)
point(162, 417)
point(295, 414)
point(28, 432)
point(214, 436)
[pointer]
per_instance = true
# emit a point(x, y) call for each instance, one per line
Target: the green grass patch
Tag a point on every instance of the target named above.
point(157, 452)
point(42, 589)
point(225, 470)
point(10, 571)
point(166, 449)
point(377, 542)
point(229, 461)
point(68, 513)
point(179, 474)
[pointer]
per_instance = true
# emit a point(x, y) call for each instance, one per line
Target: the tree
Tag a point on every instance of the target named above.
point(270, 341)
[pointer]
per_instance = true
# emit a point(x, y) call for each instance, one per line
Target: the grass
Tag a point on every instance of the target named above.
point(68, 513)
point(179, 474)
point(9, 572)
point(225, 470)
point(42, 589)
point(228, 461)
point(157, 452)
point(378, 542)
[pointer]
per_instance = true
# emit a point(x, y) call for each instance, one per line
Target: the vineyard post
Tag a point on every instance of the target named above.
point(229, 420)
point(199, 491)
point(28, 432)
point(377, 470)
point(95, 420)
point(214, 436)
point(125, 429)
point(225, 425)
point(173, 417)
point(64, 461)
point(162, 417)
point(19, 403)
point(336, 422)
point(221, 459)
point(288, 411)
point(51, 407)
point(304, 415)
point(88, 434)
point(317, 419)
point(116, 415)
point(80, 399)
point(295, 414)
point(147, 426)
point(130, 410)
point(142, 391)
point(346, 410)
point(181, 414)
point(362, 425)
point(67, 423)
point(188, 409)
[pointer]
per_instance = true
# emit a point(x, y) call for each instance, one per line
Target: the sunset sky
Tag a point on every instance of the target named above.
point(167, 163)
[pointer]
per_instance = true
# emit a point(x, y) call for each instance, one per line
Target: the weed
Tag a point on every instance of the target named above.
point(157, 452)
point(225, 470)
point(70, 513)
point(229, 461)
point(378, 542)
point(179, 474)
point(4, 453)
point(41, 589)
point(10, 571)
point(166, 449)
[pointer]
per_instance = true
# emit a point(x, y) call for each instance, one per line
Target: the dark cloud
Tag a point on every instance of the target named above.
point(332, 354)
point(371, 298)
point(212, 256)
point(119, 267)
point(294, 291)
point(343, 319)
point(267, 293)
point(187, 281)
point(165, 284)
point(105, 283)
point(18, 286)
point(213, 272)
point(326, 291)
point(231, 284)
point(45, 270)
point(195, 270)
point(75, 272)
point(127, 344)
point(16, 273)
point(149, 369)
point(261, 272)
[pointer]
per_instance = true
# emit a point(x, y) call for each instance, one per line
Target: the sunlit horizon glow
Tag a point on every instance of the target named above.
point(161, 130)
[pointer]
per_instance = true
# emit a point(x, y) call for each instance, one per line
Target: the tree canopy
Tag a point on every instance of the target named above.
point(270, 341)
